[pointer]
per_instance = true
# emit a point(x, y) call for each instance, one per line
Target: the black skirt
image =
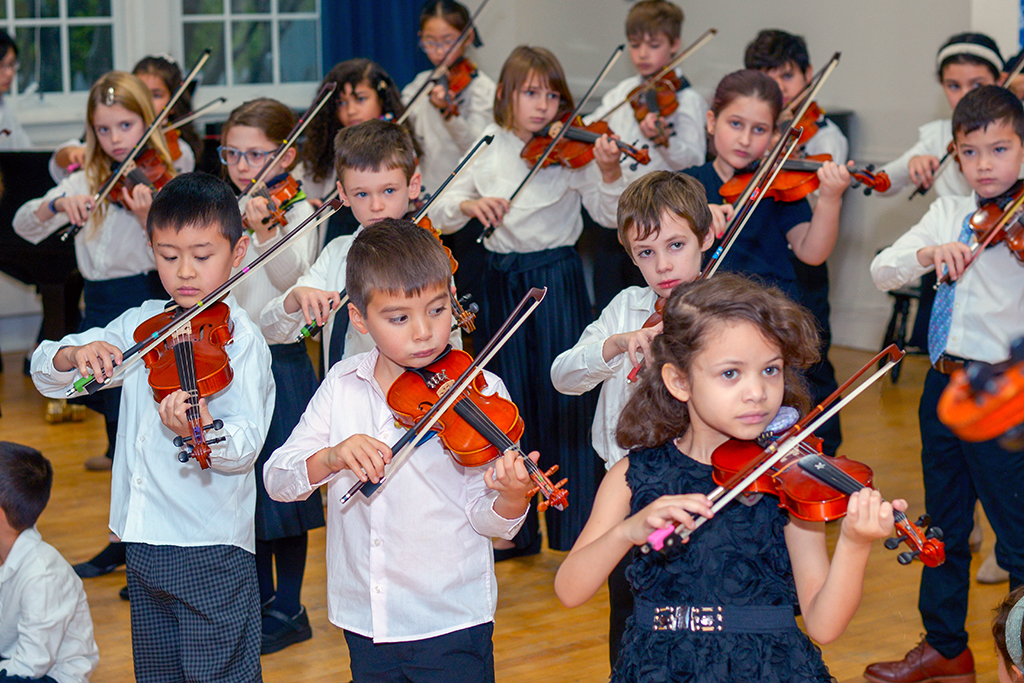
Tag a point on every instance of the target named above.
point(296, 383)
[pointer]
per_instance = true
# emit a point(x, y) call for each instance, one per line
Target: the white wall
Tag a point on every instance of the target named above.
point(886, 77)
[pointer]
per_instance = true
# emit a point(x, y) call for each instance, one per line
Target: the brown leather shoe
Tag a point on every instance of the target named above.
point(924, 664)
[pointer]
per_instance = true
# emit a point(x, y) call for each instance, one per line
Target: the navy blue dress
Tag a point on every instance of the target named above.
point(737, 559)
point(761, 248)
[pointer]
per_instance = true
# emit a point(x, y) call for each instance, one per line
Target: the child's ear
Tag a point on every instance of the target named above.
point(356, 318)
point(676, 382)
point(674, 45)
point(711, 122)
point(341, 193)
point(708, 240)
point(415, 184)
point(238, 253)
point(289, 157)
point(809, 73)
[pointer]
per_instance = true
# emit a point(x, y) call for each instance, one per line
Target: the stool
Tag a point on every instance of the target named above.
point(899, 321)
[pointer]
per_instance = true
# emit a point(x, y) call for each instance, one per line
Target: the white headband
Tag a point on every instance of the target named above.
point(1014, 622)
point(986, 53)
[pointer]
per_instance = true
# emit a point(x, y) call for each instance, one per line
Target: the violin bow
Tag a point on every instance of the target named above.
point(201, 111)
point(788, 441)
point(679, 59)
point(555, 139)
point(806, 96)
point(947, 158)
point(755, 190)
point(442, 68)
point(405, 446)
point(89, 385)
point(312, 328)
point(1013, 212)
point(321, 99)
point(125, 166)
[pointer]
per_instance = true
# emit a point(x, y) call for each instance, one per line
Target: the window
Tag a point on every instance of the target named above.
point(271, 41)
point(64, 45)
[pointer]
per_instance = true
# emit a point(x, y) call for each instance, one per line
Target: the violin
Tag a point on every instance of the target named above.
point(744, 469)
point(281, 193)
point(799, 178)
point(986, 401)
point(172, 137)
point(192, 359)
point(658, 97)
point(816, 488)
point(576, 148)
point(147, 169)
point(995, 222)
point(478, 428)
point(457, 79)
point(448, 392)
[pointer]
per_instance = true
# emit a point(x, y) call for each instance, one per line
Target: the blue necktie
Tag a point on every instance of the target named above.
point(942, 307)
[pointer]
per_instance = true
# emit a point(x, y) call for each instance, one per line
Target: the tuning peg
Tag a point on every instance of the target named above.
point(869, 168)
point(217, 424)
point(893, 543)
point(183, 457)
point(868, 191)
point(934, 532)
point(907, 557)
point(180, 441)
point(923, 521)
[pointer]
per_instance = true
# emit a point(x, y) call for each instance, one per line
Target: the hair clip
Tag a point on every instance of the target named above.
point(108, 99)
point(167, 58)
point(382, 85)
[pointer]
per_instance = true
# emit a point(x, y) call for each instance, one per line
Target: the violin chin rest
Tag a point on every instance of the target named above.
point(750, 499)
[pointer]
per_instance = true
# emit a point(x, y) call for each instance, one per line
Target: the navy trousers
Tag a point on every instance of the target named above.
point(956, 475)
point(464, 656)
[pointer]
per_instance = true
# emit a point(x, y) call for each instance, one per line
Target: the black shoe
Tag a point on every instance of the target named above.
point(286, 631)
point(109, 559)
point(509, 553)
point(124, 593)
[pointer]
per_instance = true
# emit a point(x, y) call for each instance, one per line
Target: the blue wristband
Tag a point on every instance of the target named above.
point(53, 203)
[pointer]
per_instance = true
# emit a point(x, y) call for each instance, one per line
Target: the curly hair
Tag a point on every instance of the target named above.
point(693, 314)
point(317, 153)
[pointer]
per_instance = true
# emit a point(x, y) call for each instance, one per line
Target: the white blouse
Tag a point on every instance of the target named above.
point(545, 215)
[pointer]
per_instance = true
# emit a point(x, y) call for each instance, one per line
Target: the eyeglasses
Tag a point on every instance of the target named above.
point(231, 156)
point(10, 66)
point(434, 46)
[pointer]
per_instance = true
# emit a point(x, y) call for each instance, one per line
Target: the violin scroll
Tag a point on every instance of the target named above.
point(925, 541)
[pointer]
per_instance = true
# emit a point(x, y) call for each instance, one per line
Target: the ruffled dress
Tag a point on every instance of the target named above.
point(738, 558)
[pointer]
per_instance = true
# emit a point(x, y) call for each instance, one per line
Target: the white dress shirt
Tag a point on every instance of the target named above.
point(445, 142)
point(45, 625)
point(327, 274)
point(829, 140)
point(414, 561)
point(988, 304)
point(687, 144)
point(284, 269)
point(545, 215)
point(581, 368)
point(118, 247)
point(18, 138)
point(154, 498)
point(933, 139)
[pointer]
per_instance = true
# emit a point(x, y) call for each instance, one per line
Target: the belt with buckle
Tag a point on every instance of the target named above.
point(947, 365)
point(715, 618)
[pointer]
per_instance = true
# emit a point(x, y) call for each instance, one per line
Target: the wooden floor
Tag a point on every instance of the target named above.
point(535, 638)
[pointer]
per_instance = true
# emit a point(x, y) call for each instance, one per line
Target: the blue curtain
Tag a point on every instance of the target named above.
point(381, 30)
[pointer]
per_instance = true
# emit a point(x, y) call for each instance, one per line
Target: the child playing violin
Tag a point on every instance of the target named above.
point(189, 532)
point(964, 62)
point(365, 92)
point(401, 622)
point(111, 250)
point(376, 176)
point(664, 226)
point(785, 58)
point(532, 246)
point(676, 140)
point(447, 125)
point(741, 122)
point(727, 360)
point(162, 75)
point(250, 136)
point(975, 318)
